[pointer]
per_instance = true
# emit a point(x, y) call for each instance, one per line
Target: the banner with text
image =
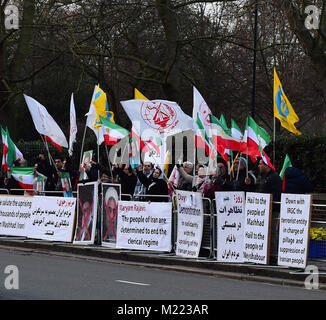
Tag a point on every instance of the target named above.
point(295, 219)
point(38, 217)
point(144, 226)
point(230, 225)
point(257, 227)
point(190, 223)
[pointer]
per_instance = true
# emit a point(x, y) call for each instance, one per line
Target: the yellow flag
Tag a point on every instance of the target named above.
point(139, 95)
point(102, 107)
point(166, 165)
point(282, 107)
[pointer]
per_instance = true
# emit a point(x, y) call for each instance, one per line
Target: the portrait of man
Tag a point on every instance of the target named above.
point(111, 196)
point(86, 164)
point(86, 213)
point(66, 184)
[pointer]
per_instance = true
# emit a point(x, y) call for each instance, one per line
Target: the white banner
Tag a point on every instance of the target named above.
point(52, 219)
point(45, 218)
point(15, 215)
point(294, 230)
point(190, 223)
point(230, 208)
point(257, 227)
point(144, 226)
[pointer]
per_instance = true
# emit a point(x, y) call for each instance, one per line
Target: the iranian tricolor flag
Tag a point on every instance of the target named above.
point(4, 164)
point(112, 132)
point(228, 152)
point(24, 176)
point(254, 142)
point(202, 126)
point(222, 138)
point(10, 151)
point(235, 131)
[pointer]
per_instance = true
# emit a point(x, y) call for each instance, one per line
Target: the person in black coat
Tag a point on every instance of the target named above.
point(241, 181)
point(269, 181)
point(154, 185)
point(127, 179)
point(294, 181)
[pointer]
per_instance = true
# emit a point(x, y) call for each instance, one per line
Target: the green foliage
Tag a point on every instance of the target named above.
point(308, 151)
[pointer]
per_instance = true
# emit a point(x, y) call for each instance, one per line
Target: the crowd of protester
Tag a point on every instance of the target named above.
point(147, 182)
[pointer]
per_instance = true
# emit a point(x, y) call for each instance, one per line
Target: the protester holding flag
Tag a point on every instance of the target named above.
point(148, 172)
point(20, 177)
point(154, 185)
point(241, 181)
point(183, 183)
point(269, 181)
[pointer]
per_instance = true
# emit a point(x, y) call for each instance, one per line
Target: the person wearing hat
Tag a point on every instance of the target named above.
point(269, 181)
point(241, 181)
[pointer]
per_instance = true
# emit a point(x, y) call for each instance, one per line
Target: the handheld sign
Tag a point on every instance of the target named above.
point(257, 227)
point(295, 219)
point(190, 224)
point(230, 226)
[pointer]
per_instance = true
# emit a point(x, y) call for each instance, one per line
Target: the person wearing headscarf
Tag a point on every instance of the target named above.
point(154, 185)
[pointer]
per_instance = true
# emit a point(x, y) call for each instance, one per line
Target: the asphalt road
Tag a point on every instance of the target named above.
point(45, 277)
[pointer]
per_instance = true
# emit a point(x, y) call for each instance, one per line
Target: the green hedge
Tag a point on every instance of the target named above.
point(310, 151)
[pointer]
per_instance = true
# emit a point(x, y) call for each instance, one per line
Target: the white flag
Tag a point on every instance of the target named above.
point(91, 120)
point(44, 123)
point(73, 125)
point(157, 117)
point(201, 110)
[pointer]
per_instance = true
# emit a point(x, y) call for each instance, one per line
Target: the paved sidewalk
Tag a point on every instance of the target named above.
point(266, 273)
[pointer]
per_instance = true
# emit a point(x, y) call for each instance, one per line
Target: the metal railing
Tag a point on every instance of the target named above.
point(31, 192)
point(4, 191)
point(209, 238)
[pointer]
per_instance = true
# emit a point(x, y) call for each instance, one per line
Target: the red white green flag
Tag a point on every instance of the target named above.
point(10, 151)
point(202, 126)
point(254, 142)
point(24, 176)
point(112, 132)
point(4, 164)
point(222, 138)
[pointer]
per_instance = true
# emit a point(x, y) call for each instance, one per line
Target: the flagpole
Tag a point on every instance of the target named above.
point(48, 150)
point(239, 167)
point(254, 61)
point(107, 154)
point(82, 147)
point(194, 166)
point(274, 135)
point(98, 152)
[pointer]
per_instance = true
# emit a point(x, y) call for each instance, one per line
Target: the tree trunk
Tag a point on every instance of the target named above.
point(173, 76)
